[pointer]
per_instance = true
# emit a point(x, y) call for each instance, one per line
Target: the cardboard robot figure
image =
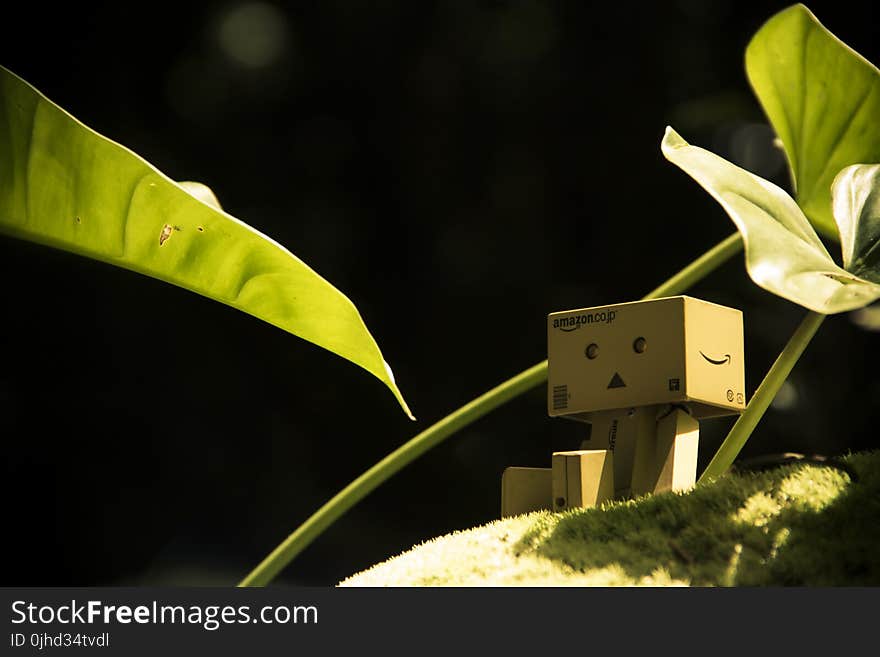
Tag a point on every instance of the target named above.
point(642, 374)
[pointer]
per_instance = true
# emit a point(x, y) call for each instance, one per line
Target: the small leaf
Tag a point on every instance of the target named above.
point(783, 253)
point(856, 202)
point(823, 100)
point(66, 186)
point(202, 192)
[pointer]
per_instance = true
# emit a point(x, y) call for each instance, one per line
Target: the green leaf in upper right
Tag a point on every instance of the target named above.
point(823, 101)
point(783, 253)
point(856, 198)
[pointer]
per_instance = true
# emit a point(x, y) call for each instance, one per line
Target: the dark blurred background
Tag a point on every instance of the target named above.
point(459, 170)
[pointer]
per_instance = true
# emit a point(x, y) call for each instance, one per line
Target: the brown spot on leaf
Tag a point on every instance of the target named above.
point(77, 220)
point(167, 229)
point(200, 229)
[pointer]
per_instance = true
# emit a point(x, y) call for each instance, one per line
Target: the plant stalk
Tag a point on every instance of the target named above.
point(282, 555)
point(763, 396)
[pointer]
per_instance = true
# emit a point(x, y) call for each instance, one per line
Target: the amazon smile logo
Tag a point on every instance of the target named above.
point(723, 361)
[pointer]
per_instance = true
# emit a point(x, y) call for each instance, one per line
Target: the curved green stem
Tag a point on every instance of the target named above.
point(435, 434)
point(763, 396)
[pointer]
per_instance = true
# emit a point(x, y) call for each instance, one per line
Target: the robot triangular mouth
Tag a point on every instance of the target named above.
point(616, 381)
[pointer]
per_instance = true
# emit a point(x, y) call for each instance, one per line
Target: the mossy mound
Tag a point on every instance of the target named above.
point(803, 525)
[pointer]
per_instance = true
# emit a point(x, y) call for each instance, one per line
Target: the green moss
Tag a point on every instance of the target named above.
point(807, 525)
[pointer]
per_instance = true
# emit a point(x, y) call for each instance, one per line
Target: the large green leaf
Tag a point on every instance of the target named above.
point(783, 253)
point(66, 186)
point(823, 100)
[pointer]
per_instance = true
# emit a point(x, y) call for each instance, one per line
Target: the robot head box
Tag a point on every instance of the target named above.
point(675, 350)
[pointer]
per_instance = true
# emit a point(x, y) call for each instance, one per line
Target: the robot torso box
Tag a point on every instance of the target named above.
point(675, 350)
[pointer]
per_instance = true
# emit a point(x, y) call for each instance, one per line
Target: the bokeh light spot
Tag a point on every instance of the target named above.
point(867, 318)
point(752, 147)
point(253, 35)
point(787, 397)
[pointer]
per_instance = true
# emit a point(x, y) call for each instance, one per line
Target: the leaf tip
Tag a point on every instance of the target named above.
point(671, 141)
point(405, 408)
point(399, 395)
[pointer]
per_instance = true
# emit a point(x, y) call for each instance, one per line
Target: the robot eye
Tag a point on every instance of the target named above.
point(591, 351)
point(640, 345)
